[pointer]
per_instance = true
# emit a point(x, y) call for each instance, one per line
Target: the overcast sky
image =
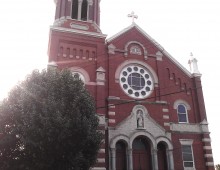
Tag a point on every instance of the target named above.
point(180, 26)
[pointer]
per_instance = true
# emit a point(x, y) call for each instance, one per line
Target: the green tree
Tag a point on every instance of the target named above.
point(48, 122)
point(217, 167)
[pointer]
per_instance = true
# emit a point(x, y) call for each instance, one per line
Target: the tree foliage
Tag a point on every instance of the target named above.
point(48, 122)
point(217, 167)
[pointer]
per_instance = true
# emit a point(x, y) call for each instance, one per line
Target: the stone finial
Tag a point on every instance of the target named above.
point(193, 65)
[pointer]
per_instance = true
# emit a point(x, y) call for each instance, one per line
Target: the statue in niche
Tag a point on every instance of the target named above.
point(140, 119)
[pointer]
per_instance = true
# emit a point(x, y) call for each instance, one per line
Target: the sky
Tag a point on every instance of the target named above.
point(180, 26)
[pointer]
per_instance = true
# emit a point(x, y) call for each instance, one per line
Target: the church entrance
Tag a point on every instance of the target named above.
point(121, 161)
point(141, 154)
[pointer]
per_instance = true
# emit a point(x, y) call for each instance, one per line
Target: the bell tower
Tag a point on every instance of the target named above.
point(81, 10)
point(77, 43)
point(75, 30)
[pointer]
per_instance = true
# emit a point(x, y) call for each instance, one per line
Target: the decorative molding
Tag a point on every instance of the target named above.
point(159, 56)
point(100, 75)
point(138, 43)
point(111, 49)
point(79, 26)
point(186, 141)
point(189, 128)
point(81, 71)
point(180, 101)
point(87, 33)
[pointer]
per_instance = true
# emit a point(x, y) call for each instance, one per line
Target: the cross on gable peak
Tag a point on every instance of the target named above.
point(133, 16)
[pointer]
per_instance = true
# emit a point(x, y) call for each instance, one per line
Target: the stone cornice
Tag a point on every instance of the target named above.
point(92, 34)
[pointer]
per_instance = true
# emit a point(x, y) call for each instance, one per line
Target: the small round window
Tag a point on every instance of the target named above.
point(136, 82)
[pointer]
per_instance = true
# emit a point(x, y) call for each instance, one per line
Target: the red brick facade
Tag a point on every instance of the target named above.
point(150, 107)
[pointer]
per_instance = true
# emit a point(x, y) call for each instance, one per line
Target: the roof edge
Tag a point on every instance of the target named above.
point(155, 43)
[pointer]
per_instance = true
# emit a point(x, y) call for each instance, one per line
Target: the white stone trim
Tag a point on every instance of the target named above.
point(102, 151)
point(101, 160)
point(111, 120)
point(111, 49)
point(101, 119)
point(111, 106)
point(92, 34)
point(81, 71)
point(208, 155)
point(98, 168)
point(145, 134)
point(165, 110)
point(210, 164)
point(188, 128)
point(166, 117)
point(166, 140)
point(186, 141)
point(178, 102)
point(159, 56)
point(135, 42)
point(207, 147)
point(167, 124)
point(111, 113)
point(208, 140)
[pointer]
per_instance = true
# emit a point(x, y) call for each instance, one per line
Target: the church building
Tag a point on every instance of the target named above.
point(151, 108)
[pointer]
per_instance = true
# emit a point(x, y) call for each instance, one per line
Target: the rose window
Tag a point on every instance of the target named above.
point(136, 82)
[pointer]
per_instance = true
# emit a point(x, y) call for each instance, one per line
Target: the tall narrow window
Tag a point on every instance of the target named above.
point(187, 156)
point(84, 10)
point(74, 9)
point(182, 113)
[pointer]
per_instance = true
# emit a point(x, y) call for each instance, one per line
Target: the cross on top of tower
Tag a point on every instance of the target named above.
point(133, 16)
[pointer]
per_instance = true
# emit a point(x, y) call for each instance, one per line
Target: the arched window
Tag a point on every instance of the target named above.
point(182, 113)
point(74, 9)
point(79, 11)
point(84, 10)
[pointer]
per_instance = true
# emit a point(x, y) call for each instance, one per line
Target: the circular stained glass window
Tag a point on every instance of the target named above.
point(136, 81)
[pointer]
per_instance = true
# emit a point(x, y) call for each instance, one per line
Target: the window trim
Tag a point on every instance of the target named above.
point(187, 107)
point(186, 113)
point(188, 142)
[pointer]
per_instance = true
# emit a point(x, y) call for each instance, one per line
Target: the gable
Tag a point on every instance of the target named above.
point(135, 34)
